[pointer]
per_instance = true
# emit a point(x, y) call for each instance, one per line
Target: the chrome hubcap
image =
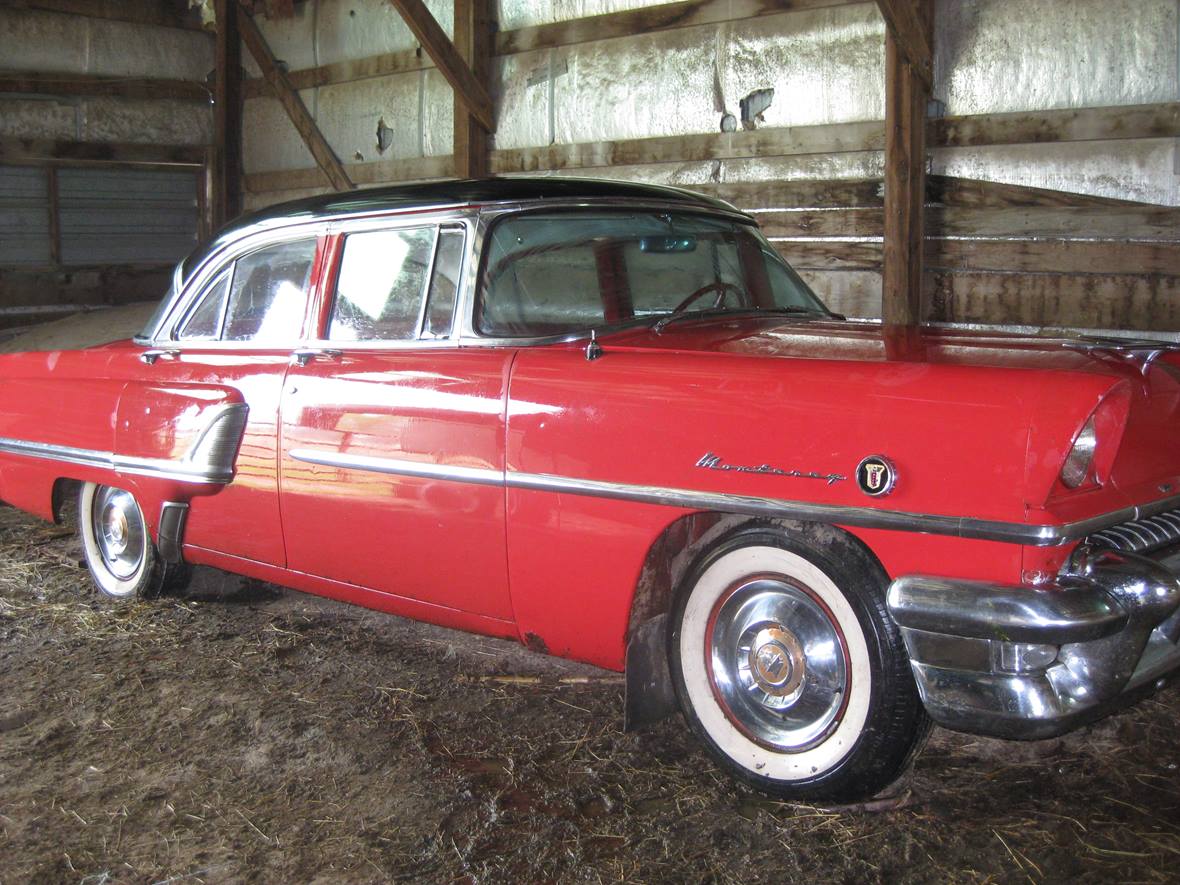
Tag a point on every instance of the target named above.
point(118, 530)
point(778, 663)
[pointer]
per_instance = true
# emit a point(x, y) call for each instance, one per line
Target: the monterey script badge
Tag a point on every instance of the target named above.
point(876, 476)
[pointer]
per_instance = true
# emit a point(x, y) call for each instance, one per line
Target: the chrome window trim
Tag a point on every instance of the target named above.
point(1032, 535)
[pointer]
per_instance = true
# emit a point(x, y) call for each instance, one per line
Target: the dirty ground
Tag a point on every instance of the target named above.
point(247, 733)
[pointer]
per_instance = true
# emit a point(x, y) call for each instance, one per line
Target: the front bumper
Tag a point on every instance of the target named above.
point(1034, 662)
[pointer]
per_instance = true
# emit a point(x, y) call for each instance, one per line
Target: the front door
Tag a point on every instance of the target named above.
point(392, 461)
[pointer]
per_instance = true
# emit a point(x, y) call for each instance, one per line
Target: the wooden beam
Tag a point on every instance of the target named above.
point(37, 151)
point(468, 89)
point(27, 83)
point(472, 41)
point(663, 17)
point(903, 21)
point(906, 97)
point(293, 104)
point(382, 65)
point(1077, 124)
point(140, 12)
point(226, 203)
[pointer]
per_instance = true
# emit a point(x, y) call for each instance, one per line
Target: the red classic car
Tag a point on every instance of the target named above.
point(607, 420)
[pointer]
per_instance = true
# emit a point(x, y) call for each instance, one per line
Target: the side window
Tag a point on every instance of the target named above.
point(268, 295)
point(203, 322)
point(381, 285)
point(444, 285)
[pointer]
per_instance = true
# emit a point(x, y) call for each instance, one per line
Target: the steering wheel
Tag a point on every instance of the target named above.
point(722, 289)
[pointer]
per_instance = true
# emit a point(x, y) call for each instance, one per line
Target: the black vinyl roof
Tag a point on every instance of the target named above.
point(475, 190)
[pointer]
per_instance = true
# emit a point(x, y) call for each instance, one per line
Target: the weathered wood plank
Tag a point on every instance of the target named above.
point(325, 158)
point(664, 17)
point(378, 172)
point(905, 23)
point(450, 63)
point(141, 12)
point(767, 196)
point(1078, 124)
point(29, 83)
point(828, 138)
point(971, 192)
point(830, 255)
point(383, 65)
point(1093, 301)
point(1147, 224)
point(34, 151)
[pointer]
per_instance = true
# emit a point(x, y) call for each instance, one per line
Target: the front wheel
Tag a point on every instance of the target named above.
point(788, 667)
point(117, 546)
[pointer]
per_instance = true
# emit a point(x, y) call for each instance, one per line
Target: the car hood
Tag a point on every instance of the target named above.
point(872, 342)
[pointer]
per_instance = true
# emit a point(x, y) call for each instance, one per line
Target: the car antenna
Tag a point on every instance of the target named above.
point(593, 349)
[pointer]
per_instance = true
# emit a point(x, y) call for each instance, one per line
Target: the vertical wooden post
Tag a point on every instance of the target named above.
point(227, 116)
point(54, 206)
point(906, 97)
point(473, 40)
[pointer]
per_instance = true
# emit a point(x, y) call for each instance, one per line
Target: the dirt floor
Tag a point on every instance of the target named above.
point(246, 733)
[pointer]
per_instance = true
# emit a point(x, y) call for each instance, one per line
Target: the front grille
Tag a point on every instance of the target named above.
point(1141, 535)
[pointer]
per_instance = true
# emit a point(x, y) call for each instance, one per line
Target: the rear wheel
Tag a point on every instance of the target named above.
point(117, 546)
point(787, 665)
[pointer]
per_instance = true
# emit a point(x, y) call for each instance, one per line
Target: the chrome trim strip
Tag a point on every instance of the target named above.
point(837, 514)
point(160, 468)
point(399, 467)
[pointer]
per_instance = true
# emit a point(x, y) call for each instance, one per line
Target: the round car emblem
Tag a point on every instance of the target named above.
point(776, 661)
point(876, 476)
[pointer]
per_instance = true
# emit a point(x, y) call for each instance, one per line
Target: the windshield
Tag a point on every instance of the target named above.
point(558, 273)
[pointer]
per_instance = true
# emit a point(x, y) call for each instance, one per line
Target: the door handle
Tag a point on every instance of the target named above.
point(305, 355)
point(150, 356)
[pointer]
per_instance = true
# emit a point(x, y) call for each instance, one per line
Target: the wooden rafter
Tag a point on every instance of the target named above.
point(28, 83)
point(909, 30)
point(292, 103)
point(468, 89)
point(226, 156)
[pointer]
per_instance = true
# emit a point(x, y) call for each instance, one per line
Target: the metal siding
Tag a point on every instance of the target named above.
point(24, 216)
point(120, 216)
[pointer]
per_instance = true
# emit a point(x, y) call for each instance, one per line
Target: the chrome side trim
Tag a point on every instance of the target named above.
point(838, 514)
point(400, 467)
point(161, 468)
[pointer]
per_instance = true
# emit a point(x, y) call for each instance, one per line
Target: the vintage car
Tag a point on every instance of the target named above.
point(608, 421)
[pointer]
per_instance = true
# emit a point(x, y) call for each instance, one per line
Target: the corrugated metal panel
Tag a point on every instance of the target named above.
point(119, 216)
point(24, 216)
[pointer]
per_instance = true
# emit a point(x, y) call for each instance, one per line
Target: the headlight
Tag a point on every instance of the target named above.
point(1081, 456)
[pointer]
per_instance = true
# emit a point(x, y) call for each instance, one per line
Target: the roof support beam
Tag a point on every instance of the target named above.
point(473, 43)
point(292, 103)
point(909, 27)
point(468, 89)
point(226, 156)
point(906, 97)
point(28, 83)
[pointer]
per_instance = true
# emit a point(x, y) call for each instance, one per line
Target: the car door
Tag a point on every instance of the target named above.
point(239, 330)
point(392, 460)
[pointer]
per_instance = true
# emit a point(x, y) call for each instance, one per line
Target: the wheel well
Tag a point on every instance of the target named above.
point(649, 695)
point(64, 498)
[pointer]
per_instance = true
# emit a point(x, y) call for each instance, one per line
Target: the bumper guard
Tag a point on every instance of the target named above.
point(1034, 662)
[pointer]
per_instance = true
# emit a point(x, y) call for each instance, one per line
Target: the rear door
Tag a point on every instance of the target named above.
point(392, 459)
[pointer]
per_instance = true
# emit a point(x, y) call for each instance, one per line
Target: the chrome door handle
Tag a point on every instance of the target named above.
point(150, 356)
point(305, 355)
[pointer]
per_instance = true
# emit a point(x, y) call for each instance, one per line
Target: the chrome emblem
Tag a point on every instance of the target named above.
point(710, 461)
point(876, 476)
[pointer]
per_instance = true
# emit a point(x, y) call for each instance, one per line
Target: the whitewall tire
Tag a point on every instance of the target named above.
point(788, 667)
point(116, 544)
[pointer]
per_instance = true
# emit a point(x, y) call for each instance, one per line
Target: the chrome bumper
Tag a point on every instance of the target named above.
point(1034, 662)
